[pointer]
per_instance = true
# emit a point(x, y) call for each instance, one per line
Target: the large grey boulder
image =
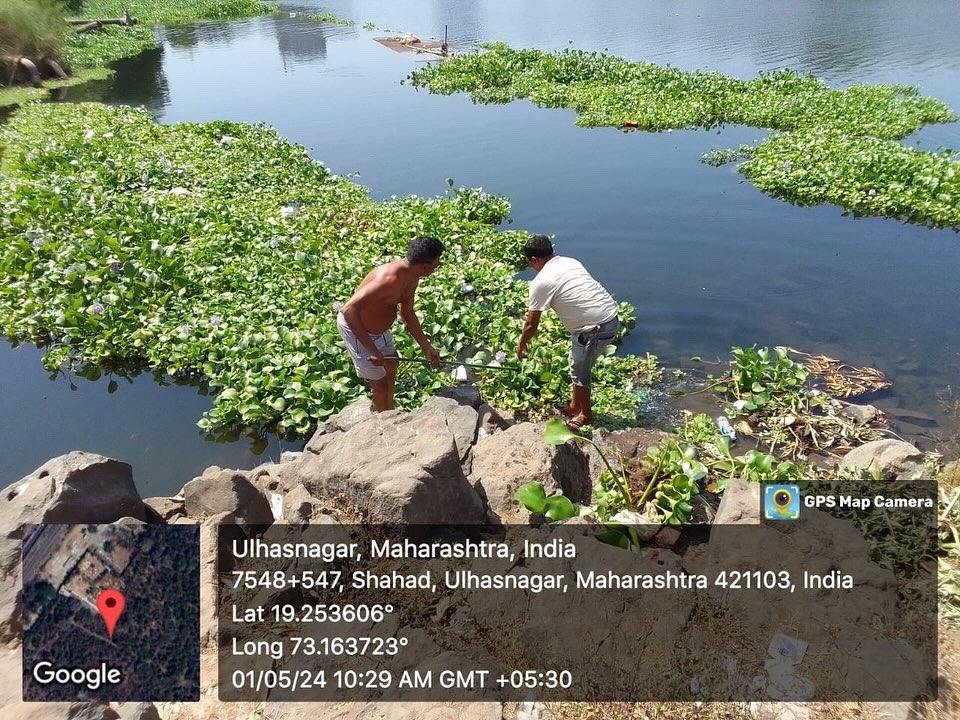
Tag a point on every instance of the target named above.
point(892, 459)
point(226, 491)
point(492, 420)
point(463, 394)
point(855, 634)
point(506, 460)
point(166, 508)
point(461, 420)
point(300, 508)
point(353, 414)
point(77, 487)
point(740, 504)
point(395, 468)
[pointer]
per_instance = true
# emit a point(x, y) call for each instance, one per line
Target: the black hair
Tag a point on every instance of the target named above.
point(538, 246)
point(423, 250)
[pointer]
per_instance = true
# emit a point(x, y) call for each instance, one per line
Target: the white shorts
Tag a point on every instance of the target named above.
point(358, 353)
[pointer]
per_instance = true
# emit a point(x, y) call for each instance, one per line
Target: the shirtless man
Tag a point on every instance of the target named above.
point(364, 321)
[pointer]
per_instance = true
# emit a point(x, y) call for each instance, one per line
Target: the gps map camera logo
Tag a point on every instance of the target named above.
point(781, 502)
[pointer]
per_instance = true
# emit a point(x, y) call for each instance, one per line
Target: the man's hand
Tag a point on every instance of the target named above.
point(431, 354)
point(376, 358)
point(530, 325)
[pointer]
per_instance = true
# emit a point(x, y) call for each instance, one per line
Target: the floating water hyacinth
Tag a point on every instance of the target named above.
point(114, 268)
point(871, 192)
point(97, 309)
point(37, 243)
point(274, 243)
point(229, 310)
point(818, 128)
point(289, 211)
point(295, 240)
point(501, 356)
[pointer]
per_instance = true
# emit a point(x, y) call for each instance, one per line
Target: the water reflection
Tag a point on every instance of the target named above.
point(182, 37)
point(299, 41)
point(137, 81)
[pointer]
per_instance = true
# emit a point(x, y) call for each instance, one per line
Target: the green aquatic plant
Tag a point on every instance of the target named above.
point(100, 49)
point(21, 94)
point(833, 146)
point(170, 12)
point(369, 26)
point(759, 378)
point(333, 19)
point(555, 508)
point(698, 429)
point(865, 175)
point(217, 251)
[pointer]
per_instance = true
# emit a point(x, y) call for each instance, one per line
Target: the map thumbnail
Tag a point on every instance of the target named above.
point(144, 648)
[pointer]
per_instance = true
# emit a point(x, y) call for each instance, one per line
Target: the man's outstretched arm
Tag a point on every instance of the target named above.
point(530, 326)
point(412, 323)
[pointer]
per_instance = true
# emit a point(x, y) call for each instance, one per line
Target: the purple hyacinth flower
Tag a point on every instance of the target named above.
point(97, 309)
point(185, 329)
point(37, 243)
point(115, 268)
point(500, 356)
point(215, 321)
point(337, 305)
point(787, 165)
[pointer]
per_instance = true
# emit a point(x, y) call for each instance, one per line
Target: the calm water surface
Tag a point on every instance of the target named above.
point(707, 260)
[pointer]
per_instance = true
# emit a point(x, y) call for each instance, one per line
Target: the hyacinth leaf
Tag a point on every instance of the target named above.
point(556, 432)
point(558, 508)
point(532, 496)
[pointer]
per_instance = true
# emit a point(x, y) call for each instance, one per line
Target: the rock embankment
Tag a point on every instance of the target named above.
point(452, 461)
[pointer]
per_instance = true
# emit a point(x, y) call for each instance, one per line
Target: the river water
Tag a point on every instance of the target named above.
point(707, 260)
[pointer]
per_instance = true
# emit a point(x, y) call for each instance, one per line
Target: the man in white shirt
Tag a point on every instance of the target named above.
point(585, 309)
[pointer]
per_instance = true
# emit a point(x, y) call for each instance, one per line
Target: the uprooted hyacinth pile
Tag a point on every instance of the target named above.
point(220, 249)
point(836, 146)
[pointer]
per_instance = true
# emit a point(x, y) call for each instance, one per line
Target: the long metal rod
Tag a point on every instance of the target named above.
point(423, 361)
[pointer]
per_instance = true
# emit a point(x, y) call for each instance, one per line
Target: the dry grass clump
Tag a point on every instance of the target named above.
point(30, 28)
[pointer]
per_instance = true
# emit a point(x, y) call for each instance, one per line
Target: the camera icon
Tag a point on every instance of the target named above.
point(781, 502)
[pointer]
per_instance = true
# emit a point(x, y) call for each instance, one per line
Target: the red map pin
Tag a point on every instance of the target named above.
point(110, 603)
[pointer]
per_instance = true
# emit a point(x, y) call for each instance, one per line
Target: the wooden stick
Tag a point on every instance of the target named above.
point(92, 25)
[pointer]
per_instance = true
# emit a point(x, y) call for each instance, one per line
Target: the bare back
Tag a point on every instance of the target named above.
point(378, 297)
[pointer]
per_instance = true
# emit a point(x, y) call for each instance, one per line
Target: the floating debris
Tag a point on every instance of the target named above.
point(844, 380)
